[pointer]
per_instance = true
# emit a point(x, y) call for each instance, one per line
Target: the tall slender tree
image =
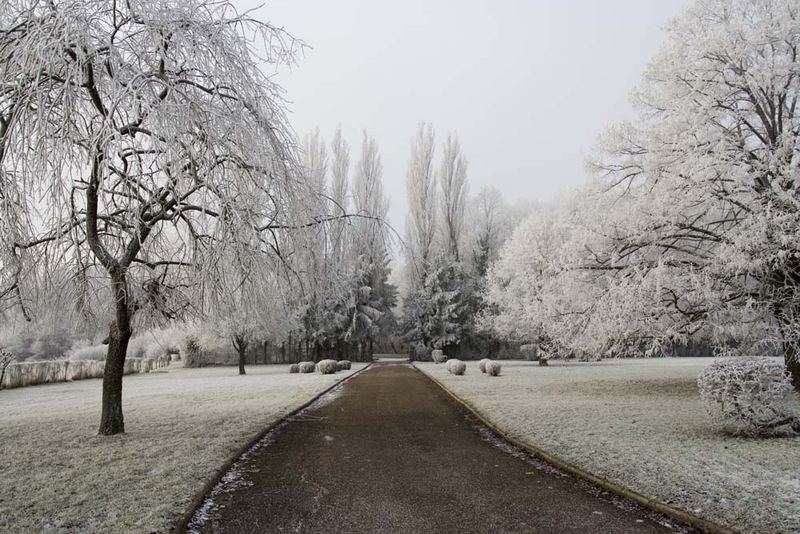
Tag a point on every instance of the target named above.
point(421, 189)
point(453, 182)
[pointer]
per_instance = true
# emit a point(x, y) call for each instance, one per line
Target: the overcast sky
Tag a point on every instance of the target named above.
point(527, 84)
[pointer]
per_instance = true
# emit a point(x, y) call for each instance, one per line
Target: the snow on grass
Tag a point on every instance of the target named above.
point(59, 476)
point(641, 423)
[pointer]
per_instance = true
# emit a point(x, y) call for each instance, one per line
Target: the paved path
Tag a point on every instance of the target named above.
point(393, 453)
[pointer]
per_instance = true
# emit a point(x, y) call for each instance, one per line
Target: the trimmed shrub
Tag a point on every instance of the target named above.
point(344, 365)
point(482, 364)
point(307, 367)
point(24, 374)
point(83, 369)
point(294, 368)
point(493, 368)
point(437, 355)
point(191, 352)
point(456, 366)
point(327, 367)
point(748, 395)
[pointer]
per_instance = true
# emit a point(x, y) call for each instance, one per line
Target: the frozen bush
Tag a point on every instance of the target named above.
point(327, 367)
point(83, 369)
point(94, 352)
point(191, 351)
point(456, 367)
point(344, 365)
point(6, 358)
point(438, 356)
point(32, 373)
point(137, 346)
point(482, 364)
point(306, 367)
point(492, 368)
point(748, 395)
point(132, 365)
point(294, 368)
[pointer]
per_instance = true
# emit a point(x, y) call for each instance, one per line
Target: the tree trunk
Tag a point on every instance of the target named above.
point(791, 355)
point(240, 344)
point(791, 344)
point(242, 361)
point(119, 334)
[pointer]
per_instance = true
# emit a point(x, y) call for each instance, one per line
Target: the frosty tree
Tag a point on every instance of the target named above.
point(453, 182)
point(421, 188)
point(716, 149)
point(136, 134)
point(489, 224)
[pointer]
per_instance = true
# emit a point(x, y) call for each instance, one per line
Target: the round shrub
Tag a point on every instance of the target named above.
point(493, 368)
point(437, 355)
point(344, 365)
point(482, 364)
point(294, 368)
point(306, 367)
point(747, 395)
point(456, 367)
point(327, 367)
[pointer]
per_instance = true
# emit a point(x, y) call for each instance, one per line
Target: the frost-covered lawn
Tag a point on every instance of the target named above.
point(57, 475)
point(641, 423)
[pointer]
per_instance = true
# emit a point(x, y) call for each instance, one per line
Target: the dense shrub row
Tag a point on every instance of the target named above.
point(32, 373)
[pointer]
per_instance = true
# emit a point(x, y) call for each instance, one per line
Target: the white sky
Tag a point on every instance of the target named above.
point(527, 84)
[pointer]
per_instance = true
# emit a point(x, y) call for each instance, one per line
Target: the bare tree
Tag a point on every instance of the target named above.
point(453, 183)
point(131, 134)
point(421, 189)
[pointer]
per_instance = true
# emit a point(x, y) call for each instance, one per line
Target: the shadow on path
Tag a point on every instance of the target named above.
point(393, 453)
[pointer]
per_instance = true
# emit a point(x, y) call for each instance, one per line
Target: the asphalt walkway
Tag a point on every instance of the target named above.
point(393, 453)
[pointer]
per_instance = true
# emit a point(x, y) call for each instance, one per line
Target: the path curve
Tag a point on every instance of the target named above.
point(391, 452)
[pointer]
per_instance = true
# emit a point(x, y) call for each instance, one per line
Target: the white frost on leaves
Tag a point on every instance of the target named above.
point(327, 367)
point(456, 366)
point(493, 368)
point(307, 367)
point(750, 395)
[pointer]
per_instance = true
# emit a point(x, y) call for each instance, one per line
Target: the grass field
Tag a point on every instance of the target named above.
point(58, 475)
point(640, 423)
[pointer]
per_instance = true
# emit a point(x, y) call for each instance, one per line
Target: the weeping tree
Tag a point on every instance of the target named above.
point(131, 132)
